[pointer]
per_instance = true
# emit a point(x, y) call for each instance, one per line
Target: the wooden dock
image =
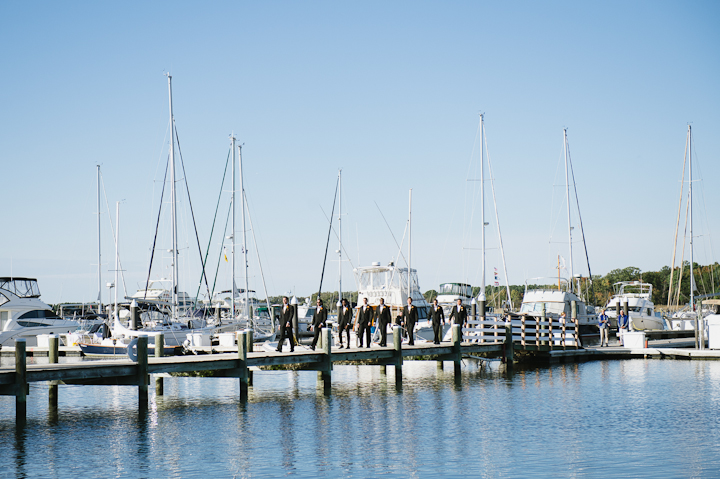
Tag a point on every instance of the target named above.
point(542, 337)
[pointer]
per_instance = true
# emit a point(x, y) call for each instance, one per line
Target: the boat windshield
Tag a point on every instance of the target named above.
point(22, 287)
point(456, 288)
point(554, 308)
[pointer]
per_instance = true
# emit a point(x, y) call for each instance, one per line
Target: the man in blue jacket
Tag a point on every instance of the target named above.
point(604, 325)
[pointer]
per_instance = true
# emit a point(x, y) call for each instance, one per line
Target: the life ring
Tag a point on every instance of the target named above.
point(132, 350)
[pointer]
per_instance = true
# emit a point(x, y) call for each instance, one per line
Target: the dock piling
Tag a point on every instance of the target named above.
point(325, 372)
point(509, 346)
point(54, 343)
point(397, 353)
point(250, 341)
point(159, 351)
point(143, 378)
point(242, 360)
point(457, 352)
point(21, 385)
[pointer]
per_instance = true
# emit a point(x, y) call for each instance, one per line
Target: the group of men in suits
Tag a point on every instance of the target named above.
point(366, 313)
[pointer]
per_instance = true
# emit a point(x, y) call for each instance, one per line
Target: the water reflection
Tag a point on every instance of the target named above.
point(661, 415)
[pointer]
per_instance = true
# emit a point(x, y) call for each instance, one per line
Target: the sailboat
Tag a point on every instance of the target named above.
point(539, 295)
point(691, 317)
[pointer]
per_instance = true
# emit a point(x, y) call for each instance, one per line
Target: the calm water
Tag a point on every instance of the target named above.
point(635, 418)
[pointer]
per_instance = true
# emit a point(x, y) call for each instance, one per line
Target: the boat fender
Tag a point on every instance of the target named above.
point(132, 350)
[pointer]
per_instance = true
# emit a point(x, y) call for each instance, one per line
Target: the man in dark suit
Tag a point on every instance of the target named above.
point(382, 315)
point(409, 318)
point(459, 313)
point(319, 322)
point(366, 315)
point(438, 315)
point(286, 329)
point(344, 320)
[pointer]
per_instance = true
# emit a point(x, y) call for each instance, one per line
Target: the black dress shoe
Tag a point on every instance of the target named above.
point(292, 350)
point(312, 347)
point(279, 350)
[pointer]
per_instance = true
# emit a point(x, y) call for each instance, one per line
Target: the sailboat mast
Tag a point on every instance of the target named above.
point(245, 261)
point(690, 213)
point(117, 255)
point(173, 197)
point(232, 236)
point(567, 198)
point(340, 234)
point(98, 235)
point(409, 245)
point(482, 204)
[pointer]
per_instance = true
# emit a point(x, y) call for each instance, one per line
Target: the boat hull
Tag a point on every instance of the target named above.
point(120, 350)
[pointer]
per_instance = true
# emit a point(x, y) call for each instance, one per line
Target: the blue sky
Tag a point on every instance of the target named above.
point(388, 91)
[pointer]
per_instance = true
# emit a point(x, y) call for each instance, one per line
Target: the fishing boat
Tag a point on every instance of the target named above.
point(24, 316)
point(641, 309)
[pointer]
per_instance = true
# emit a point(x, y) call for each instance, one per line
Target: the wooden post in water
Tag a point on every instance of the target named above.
point(325, 372)
point(457, 339)
point(397, 353)
point(250, 348)
point(522, 329)
point(142, 361)
point(509, 346)
point(54, 343)
point(242, 360)
point(20, 383)
point(543, 319)
point(159, 351)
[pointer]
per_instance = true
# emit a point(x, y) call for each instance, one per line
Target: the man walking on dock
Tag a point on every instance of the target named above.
point(286, 330)
point(438, 315)
point(366, 315)
point(344, 320)
point(383, 319)
point(459, 312)
point(409, 318)
point(319, 322)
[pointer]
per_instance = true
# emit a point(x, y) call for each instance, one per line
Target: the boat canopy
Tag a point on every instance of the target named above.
point(21, 287)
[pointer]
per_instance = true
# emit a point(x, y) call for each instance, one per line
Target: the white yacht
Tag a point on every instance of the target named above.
point(23, 315)
point(641, 309)
point(449, 293)
point(391, 283)
point(557, 301)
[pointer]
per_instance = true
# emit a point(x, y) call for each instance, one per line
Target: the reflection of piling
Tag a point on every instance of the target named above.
point(325, 373)
point(159, 351)
point(457, 352)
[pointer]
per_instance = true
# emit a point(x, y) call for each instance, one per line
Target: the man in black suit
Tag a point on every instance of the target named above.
point(459, 312)
point(319, 322)
point(344, 320)
point(366, 315)
point(382, 315)
point(409, 318)
point(438, 315)
point(286, 330)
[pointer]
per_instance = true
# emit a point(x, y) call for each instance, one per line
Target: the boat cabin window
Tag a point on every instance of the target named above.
point(38, 313)
point(456, 288)
point(3, 299)
point(3, 319)
point(24, 288)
